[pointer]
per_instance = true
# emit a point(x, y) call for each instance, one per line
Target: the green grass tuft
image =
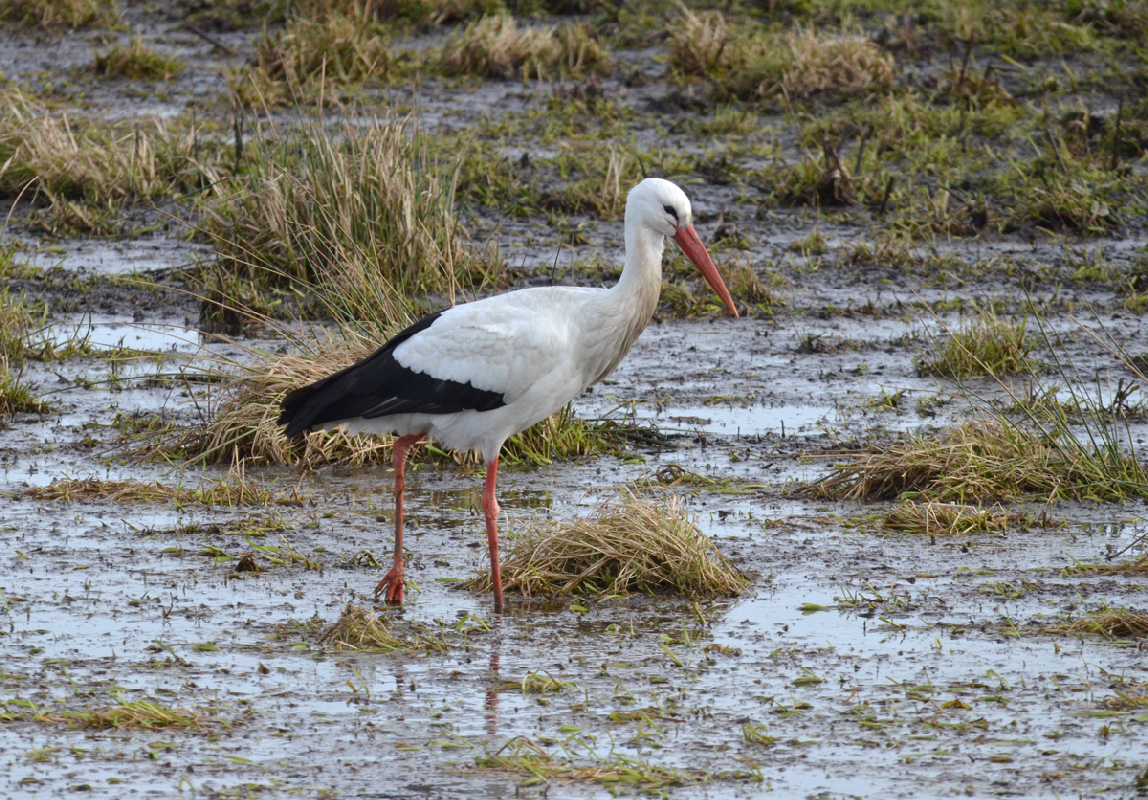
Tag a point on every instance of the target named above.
point(64, 13)
point(986, 345)
point(138, 61)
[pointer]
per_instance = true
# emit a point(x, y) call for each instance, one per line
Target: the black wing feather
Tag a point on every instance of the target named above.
point(378, 386)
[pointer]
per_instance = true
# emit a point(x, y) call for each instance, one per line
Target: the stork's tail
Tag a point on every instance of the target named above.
point(298, 412)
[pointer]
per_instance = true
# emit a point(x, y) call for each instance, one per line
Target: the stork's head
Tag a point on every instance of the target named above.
point(664, 207)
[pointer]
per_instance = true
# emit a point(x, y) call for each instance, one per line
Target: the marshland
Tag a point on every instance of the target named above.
point(884, 534)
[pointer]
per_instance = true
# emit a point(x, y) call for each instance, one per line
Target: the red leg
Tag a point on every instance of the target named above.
point(392, 582)
point(491, 509)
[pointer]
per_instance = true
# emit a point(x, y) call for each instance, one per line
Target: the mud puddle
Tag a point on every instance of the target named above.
point(119, 257)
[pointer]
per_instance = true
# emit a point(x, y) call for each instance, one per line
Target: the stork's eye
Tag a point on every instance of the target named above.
point(671, 211)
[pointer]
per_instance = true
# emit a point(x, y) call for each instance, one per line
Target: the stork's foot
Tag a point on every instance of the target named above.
point(391, 586)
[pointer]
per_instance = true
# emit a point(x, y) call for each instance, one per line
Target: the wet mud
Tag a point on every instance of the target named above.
point(858, 663)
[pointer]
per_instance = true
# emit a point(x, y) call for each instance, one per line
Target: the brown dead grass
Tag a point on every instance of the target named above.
point(822, 63)
point(229, 491)
point(359, 629)
point(1137, 567)
point(628, 544)
point(1111, 623)
point(496, 46)
point(315, 57)
point(983, 459)
point(243, 423)
point(945, 519)
point(86, 170)
point(749, 62)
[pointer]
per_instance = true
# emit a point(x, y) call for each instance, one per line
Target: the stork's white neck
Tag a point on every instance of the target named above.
point(642, 271)
point(624, 310)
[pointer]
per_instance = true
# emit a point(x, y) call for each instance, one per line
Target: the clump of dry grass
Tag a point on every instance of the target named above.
point(496, 46)
point(242, 425)
point(750, 62)
point(230, 491)
point(1137, 567)
point(364, 213)
point(87, 171)
point(945, 519)
point(137, 61)
point(359, 629)
point(828, 63)
point(628, 544)
point(316, 56)
point(1112, 623)
point(987, 458)
point(69, 13)
point(121, 714)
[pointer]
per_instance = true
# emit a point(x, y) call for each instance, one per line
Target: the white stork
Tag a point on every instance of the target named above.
point(472, 375)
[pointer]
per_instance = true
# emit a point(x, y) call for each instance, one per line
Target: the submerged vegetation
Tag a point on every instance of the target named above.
point(122, 714)
point(229, 491)
point(527, 758)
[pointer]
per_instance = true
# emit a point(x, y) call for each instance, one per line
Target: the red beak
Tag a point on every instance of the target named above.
point(687, 239)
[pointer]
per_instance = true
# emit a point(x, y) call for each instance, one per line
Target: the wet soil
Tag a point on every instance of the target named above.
point(857, 664)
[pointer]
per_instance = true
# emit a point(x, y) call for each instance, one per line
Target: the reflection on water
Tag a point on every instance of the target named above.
point(748, 420)
point(111, 334)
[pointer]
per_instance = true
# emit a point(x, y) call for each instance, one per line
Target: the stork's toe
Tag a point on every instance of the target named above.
point(391, 587)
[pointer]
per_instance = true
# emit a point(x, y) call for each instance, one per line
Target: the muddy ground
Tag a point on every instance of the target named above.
point(858, 663)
